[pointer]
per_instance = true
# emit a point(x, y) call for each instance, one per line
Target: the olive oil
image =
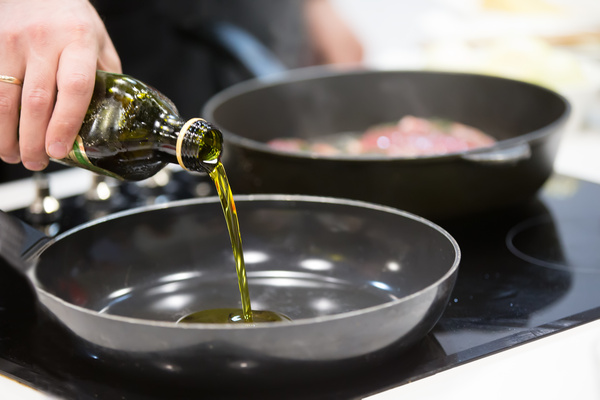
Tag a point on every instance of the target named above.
point(232, 315)
point(219, 177)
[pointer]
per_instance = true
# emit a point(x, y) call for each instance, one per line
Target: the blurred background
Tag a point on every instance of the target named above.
point(554, 43)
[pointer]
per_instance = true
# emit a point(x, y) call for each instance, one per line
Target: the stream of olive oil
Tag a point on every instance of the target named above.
point(228, 315)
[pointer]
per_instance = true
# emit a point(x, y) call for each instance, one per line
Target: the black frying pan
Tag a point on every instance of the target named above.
point(361, 282)
point(525, 119)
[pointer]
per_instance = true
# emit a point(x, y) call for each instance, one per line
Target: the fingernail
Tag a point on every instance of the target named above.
point(11, 159)
point(34, 165)
point(57, 150)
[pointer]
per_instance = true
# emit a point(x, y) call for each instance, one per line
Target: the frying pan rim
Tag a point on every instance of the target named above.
point(325, 71)
point(249, 198)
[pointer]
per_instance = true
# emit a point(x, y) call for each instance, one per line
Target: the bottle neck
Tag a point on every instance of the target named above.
point(199, 146)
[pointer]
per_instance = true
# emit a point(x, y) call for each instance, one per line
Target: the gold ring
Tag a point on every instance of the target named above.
point(11, 79)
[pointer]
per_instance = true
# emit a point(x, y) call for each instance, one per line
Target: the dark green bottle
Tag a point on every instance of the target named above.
point(131, 131)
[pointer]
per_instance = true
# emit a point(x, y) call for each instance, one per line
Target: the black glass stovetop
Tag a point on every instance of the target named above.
point(526, 272)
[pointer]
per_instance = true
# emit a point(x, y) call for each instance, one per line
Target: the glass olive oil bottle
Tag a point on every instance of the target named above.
point(131, 131)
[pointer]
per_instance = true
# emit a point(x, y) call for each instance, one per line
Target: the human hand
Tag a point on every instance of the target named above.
point(55, 48)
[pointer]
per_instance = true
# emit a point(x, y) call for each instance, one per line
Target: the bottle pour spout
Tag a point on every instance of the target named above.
point(199, 146)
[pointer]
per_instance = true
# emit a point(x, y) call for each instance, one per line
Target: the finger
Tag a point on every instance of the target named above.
point(10, 94)
point(37, 101)
point(108, 59)
point(75, 82)
point(10, 98)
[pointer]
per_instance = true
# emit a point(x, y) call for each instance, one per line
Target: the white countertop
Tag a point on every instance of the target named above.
point(579, 155)
point(565, 365)
point(11, 389)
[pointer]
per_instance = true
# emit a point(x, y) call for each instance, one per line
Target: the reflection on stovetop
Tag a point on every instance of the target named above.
point(526, 272)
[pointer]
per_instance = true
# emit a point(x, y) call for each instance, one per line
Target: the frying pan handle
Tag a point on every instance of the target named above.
point(18, 240)
point(238, 45)
point(502, 156)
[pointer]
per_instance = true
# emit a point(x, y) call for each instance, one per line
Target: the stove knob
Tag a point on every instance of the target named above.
point(45, 212)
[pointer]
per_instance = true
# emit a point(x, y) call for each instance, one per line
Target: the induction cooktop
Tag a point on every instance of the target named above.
point(526, 272)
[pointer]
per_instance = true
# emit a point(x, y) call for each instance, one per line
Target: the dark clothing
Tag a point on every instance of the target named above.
point(154, 42)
